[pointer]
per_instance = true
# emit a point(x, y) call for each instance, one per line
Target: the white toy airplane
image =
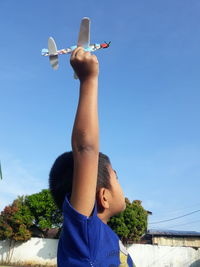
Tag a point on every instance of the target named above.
point(83, 40)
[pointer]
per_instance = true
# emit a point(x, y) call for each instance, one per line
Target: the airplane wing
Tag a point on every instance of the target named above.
point(84, 36)
point(84, 33)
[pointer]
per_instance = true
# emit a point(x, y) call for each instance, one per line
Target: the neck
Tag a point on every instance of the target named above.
point(103, 217)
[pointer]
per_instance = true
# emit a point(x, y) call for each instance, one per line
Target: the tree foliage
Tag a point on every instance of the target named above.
point(40, 211)
point(15, 221)
point(43, 209)
point(130, 224)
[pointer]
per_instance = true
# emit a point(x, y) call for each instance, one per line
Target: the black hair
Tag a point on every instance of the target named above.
point(61, 176)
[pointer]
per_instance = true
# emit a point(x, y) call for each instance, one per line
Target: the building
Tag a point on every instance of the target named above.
point(172, 238)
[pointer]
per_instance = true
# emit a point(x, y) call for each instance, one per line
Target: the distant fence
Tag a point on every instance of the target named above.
point(40, 251)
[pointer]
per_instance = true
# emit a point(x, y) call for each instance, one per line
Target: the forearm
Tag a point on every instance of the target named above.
point(85, 135)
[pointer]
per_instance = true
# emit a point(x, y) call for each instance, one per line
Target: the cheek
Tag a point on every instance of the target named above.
point(121, 195)
point(121, 203)
point(120, 191)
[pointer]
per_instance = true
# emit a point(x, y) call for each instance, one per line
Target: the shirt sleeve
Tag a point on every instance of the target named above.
point(81, 234)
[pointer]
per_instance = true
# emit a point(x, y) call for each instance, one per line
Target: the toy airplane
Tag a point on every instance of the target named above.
point(83, 40)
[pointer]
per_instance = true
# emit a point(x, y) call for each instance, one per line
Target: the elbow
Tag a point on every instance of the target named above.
point(82, 142)
point(80, 148)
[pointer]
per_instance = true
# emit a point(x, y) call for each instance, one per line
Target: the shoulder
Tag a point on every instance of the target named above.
point(71, 214)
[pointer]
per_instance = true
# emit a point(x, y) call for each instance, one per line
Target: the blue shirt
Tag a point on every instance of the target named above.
point(88, 242)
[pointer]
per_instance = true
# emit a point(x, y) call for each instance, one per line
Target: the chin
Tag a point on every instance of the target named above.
point(120, 207)
point(124, 206)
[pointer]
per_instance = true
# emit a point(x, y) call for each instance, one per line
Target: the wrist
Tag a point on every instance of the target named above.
point(89, 80)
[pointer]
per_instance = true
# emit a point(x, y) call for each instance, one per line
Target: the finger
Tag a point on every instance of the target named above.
point(73, 54)
point(75, 51)
point(95, 58)
point(80, 52)
point(87, 54)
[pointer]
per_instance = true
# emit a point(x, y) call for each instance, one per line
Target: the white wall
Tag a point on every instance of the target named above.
point(164, 256)
point(40, 251)
point(34, 251)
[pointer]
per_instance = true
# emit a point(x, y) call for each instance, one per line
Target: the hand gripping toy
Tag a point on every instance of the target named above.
point(83, 40)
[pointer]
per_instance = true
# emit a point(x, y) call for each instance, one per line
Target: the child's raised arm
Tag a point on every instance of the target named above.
point(85, 135)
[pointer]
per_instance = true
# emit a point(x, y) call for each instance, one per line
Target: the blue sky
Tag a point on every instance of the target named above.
point(148, 98)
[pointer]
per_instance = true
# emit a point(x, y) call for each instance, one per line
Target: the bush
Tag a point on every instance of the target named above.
point(38, 210)
point(130, 224)
point(44, 211)
point(15, 221)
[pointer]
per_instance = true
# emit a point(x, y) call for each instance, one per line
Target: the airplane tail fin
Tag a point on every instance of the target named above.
point(54, 62)
point(53, 54)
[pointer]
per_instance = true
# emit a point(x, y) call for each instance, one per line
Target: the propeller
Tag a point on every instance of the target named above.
point(105, 45)
point(108, 44)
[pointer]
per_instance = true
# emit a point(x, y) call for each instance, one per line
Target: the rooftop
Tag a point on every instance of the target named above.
point(172, 233)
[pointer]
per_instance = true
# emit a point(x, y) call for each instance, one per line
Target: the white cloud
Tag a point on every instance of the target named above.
point(17, 180)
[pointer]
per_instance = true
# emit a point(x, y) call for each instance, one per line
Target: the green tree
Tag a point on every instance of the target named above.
point(44, 211)
point(130, 224)
point(40, 210)
point(15, 221)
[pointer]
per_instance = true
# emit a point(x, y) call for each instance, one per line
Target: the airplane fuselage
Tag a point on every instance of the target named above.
point(90, 48)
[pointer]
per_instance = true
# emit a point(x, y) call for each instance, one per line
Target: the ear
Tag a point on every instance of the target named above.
point(103, 198)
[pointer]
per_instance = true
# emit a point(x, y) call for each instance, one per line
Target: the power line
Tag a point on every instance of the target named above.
point(182, 224)
point(176, 217)
point(177, 225)
point(178, 211)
